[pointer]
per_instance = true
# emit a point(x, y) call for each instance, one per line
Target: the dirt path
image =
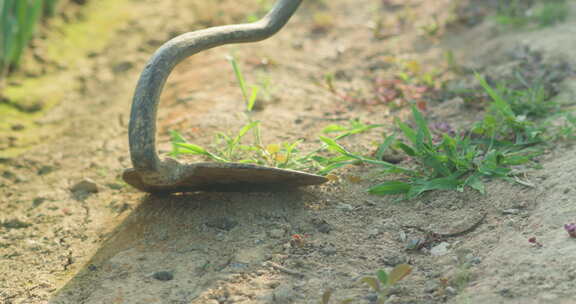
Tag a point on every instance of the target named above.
point(122, 246)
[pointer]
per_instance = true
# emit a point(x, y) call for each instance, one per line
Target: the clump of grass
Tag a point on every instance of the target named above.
point(520, 13)
point(443, 159)
point(550, 12)
point(233, 147)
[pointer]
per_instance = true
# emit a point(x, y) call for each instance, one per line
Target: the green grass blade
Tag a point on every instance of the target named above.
point(407, 149)
point(334, 166)
point(239, 77)
point(382, 277)
point(443, 183)
point(243, 131)
point(187, 148)
point(408, 131)
point(384, 146)
point(423, 135)
point(253, 97)
point(497, 99)
point(391, 187)
point(334, 146)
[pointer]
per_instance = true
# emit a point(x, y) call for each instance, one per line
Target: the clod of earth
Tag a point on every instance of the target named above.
point(163, 276)
point(153, 175)
point(85, 186)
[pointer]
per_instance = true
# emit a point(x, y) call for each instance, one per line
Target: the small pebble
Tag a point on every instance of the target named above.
point(223, 223)
point(321, 225)
point(510, 211)
point(163, 275)
point(440, 249)
point(38, 201)
point(328, 250)
point(45, 170)
point(17, 127)
point(86, 186)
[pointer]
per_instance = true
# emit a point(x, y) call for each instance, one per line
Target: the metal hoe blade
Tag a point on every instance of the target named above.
point(151, 174)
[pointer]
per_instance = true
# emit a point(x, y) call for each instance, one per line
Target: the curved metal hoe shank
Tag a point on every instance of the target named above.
point(153, 175)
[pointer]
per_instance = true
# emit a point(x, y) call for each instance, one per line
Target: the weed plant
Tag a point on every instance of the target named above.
point(380, 283)
point(443, 159)
point(233, 147)
point(520, 13)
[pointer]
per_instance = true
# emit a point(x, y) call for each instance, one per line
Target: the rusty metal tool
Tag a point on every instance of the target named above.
point(153, 175)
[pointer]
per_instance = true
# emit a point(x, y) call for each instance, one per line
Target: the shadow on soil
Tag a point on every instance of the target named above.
point(196, 238)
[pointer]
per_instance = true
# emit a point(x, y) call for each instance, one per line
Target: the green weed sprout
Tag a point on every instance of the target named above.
point(503, 125)
point(380, 283)
point(231, 148)
point(447, 160)
point(383, 281)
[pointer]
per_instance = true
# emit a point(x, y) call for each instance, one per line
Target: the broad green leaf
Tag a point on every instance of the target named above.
point(399, 272)
point(476, 183)
point(443, 183)
point(407, 149)
point(382, 277)
point(391, 187)
point(408, 131)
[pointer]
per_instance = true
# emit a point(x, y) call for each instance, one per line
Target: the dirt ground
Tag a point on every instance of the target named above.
point(118, 245)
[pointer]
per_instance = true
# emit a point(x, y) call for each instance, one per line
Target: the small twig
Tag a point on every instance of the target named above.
point(465, 231)
point(285, 270)
point(447, 235)
point(433, 237)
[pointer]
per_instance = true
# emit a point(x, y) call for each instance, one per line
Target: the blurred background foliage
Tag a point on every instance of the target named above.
point(19, 20)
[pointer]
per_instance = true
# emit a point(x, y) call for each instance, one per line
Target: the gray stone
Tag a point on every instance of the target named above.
point(510, 211)
point(85, 186)
point(440, 249)
point(45, 170)
point(328, 250)
point(223, 223)
point(163, 275)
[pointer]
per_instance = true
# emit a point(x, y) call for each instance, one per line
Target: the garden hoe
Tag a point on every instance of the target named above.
point(153, 175)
